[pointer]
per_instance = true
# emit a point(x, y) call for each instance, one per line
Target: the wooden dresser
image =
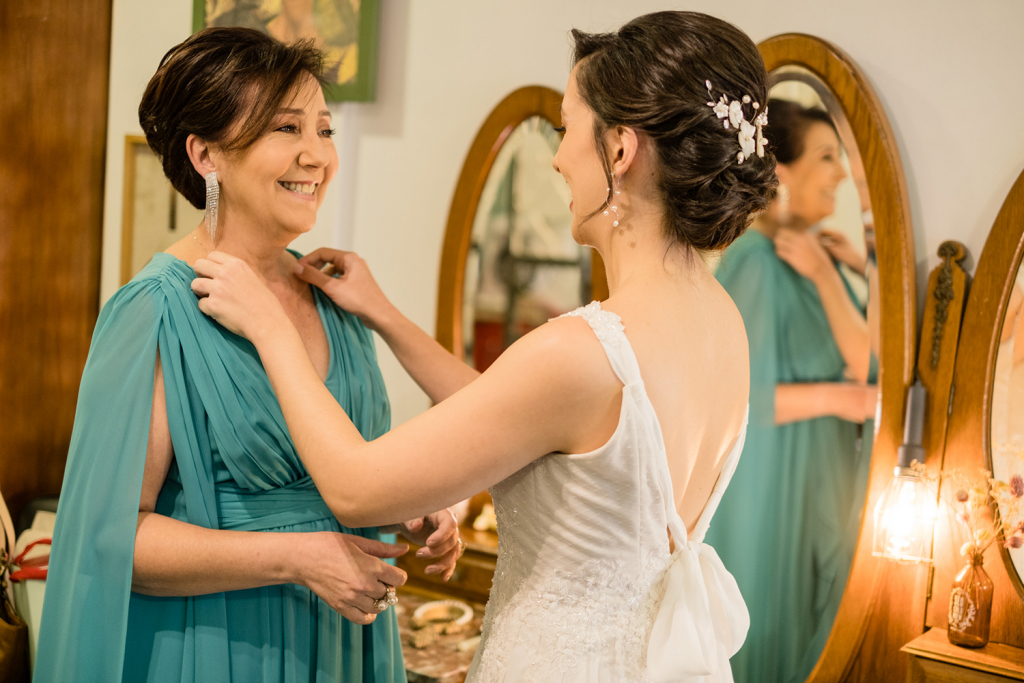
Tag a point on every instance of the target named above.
point(933, 659)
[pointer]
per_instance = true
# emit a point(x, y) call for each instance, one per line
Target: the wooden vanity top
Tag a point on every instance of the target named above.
point(994, 658)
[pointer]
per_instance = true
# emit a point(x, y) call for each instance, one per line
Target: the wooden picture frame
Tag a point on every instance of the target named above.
point(153, 214)
point(351, 43)
point(876, 591)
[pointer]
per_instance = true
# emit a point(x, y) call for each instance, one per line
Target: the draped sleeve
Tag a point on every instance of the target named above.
point(235, 467)
point(90, 570)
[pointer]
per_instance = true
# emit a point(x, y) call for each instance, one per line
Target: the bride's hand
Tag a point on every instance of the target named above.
point(234, 295)
point(354, 288)
point(438, 533)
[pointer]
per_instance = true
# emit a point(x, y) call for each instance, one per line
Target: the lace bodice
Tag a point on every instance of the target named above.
point(584, 567)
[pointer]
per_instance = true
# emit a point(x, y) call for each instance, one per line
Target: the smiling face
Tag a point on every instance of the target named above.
point(279, 182)
point(579, 163)
point(813, 177)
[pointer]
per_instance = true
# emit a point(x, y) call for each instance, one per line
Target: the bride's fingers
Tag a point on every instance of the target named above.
point(319, 257)
point(309, 274)
point(201, 286)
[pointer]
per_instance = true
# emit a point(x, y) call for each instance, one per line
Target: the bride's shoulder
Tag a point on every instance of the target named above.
point(565, 351)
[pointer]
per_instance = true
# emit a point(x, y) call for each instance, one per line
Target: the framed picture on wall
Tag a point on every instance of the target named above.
point(345, 30)
point(154, 216)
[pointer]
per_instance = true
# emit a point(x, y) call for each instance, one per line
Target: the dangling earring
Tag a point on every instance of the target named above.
point(782, 207)
point(613, 208)
point(212, 198)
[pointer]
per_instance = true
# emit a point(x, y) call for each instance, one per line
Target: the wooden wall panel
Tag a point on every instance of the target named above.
point(53, 115)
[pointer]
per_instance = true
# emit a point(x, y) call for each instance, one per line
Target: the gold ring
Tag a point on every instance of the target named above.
point(462, 546)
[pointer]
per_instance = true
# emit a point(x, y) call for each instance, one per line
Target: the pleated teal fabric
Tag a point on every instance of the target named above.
point(235, 467)
point(787, 525)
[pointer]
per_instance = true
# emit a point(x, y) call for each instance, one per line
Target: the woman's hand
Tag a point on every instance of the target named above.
point(234, 295)
point(842, 250)
point(803, 252)
point(354, 288)
point(855, 402)
point(344, 570)
point(438, 533)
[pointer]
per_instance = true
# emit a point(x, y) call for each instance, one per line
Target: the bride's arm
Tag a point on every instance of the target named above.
point(432, 367)
point(553, 390)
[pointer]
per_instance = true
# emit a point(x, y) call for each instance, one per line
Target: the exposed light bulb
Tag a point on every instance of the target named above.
point(905, 519)
point(905, 514)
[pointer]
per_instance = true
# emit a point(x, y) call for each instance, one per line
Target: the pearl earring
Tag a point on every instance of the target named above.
point(212, 199)
point(614, 208)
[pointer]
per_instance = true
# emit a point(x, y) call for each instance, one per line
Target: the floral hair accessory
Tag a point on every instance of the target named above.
point(749, 134)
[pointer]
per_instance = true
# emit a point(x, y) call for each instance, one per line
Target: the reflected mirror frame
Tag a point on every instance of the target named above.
point(534, 262)
point(521, 104)
point(868, 587)
point(970, 429)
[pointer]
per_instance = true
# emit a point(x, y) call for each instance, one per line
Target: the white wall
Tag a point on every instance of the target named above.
point(946, 72)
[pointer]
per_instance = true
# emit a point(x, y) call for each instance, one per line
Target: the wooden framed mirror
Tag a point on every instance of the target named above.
point(513, 134)
point(816, 73)
point(986, 411)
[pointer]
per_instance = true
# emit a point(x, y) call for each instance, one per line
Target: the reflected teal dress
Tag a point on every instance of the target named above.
point(235, 467)
point(787, 524)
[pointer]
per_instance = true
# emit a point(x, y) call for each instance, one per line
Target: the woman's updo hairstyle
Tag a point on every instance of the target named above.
point(650, 76)
point(218, 77)
point(790, 123)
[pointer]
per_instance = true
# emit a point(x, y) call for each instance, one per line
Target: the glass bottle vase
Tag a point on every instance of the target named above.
point(970, 605)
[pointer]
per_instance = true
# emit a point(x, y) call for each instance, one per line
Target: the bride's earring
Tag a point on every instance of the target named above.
point(782, 205)
point(614, 207)
point(212, 199)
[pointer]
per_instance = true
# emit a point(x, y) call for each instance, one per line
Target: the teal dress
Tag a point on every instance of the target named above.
point(787, 524)
point(235, 467)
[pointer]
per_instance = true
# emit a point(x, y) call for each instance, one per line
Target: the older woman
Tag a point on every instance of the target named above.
point(181, 460)
point(788, 524)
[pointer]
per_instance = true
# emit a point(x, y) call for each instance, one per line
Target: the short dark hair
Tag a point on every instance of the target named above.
point(790, 123)
point(650, 76)
point(214, 78)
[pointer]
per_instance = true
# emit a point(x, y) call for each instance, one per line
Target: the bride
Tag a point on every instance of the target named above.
point(607, 436)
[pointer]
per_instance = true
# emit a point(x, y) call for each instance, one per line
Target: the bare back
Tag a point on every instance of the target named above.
point(691, 346)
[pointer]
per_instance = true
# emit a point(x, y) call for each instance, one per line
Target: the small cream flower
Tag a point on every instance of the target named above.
point(746, 138)
point(722, 109)
point(736, 113)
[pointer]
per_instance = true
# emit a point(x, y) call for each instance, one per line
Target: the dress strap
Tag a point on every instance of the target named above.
point(608, 329)
point(724, 477)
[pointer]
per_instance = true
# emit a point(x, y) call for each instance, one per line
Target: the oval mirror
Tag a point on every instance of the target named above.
point(1006, 419)
point(523, 266)
point(822, 444)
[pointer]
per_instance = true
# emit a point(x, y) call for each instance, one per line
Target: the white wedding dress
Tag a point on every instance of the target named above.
point(585, 589)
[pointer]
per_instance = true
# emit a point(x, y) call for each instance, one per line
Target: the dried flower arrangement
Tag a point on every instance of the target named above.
point(971, 495)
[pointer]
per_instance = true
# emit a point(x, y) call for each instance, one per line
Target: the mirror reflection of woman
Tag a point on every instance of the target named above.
point(191, 544)
point(787, 525)
point(607, 435)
